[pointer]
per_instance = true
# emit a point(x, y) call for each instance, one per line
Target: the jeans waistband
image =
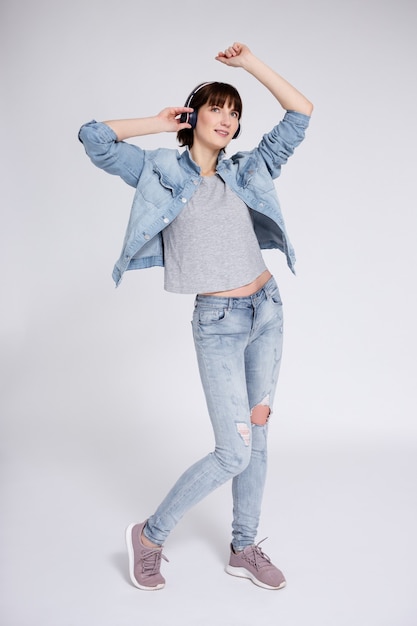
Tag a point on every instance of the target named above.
point(244, 301)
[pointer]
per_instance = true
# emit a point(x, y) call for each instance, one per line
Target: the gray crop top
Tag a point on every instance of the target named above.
point(211, 245)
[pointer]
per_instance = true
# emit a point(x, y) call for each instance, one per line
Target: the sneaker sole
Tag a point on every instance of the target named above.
point(132, 562)
point(242, 572)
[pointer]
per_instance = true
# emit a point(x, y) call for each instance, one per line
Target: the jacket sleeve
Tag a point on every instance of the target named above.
point(115, 157)
point(277, 146)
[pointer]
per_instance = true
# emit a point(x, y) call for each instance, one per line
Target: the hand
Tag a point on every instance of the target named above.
point(170, 118)
point(239, 55)
point(235, 56)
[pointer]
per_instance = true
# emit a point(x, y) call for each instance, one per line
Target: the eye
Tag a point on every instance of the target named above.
point(215, 109)
point(235, 114)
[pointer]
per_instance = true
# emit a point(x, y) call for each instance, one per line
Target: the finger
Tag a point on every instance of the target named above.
point(183, 126)
point(179, 110)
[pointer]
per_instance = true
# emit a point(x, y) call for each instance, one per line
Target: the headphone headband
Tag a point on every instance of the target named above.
point(192, 94)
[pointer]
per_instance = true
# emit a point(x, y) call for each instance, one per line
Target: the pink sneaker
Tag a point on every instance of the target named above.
point(252, 563)
point(144, 562)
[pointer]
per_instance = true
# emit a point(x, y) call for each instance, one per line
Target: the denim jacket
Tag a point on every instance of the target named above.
point(166, 179)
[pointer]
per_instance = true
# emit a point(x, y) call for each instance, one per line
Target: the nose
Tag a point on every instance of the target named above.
point(225, 119)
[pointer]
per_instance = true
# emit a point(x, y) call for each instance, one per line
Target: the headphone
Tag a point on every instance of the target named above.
point(191, 118)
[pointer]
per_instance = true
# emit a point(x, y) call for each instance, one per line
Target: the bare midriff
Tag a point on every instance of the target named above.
point(246, 290)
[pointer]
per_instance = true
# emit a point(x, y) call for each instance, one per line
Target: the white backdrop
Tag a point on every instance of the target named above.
point(99, 385)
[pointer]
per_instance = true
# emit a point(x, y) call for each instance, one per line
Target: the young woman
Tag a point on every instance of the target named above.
point(205, 218)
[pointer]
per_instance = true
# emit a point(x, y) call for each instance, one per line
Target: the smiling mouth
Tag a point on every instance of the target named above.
point(223, 133)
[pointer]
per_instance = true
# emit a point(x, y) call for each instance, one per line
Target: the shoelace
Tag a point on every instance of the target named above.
point(151, 561)
point(255, 556)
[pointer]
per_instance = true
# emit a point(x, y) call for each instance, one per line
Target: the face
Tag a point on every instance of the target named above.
point(216, 125)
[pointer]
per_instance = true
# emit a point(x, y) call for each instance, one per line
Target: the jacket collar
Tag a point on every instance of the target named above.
point(186, 161)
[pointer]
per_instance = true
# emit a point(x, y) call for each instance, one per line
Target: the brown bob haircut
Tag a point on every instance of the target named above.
point(213, 94)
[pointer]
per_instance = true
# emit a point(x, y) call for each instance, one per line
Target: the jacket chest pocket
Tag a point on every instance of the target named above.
point(156, 192)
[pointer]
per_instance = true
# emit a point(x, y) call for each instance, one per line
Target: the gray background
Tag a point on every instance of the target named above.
point(101, 405)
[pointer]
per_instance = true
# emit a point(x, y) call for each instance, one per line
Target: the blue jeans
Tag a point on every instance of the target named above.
point(238, 343)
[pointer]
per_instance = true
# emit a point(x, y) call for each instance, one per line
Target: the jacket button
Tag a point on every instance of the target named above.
point(147, 237)
point(166, 220)
point(183, 200)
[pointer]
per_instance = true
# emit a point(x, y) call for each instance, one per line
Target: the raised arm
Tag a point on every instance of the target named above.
point(239, 55)
point(166, 121)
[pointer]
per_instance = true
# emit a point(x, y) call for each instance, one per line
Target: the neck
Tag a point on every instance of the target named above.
point(210, 172)
point(206, 160)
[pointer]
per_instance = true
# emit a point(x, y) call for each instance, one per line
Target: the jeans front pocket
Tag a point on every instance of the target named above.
point(211, 315)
